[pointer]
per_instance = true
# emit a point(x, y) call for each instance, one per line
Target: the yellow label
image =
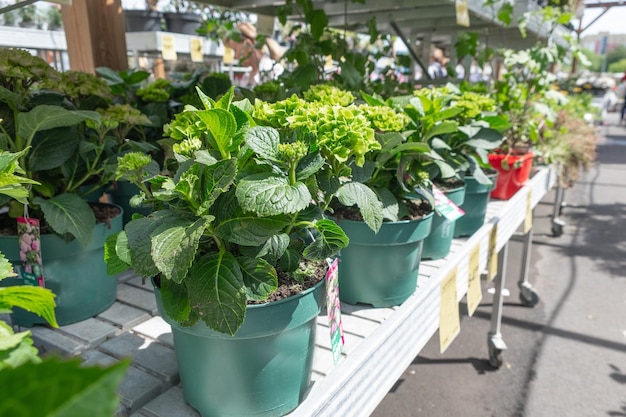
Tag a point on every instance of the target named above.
point(195, 50)
point(474, 291)
point(229, 56)
point(492, 253)
point(528, 220)
point(168, 47)
point(449, 322)
point(462, 13)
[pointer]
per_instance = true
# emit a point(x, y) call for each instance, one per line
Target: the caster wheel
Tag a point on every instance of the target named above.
point(557, 229)
point(528, 298)
point(495, 357)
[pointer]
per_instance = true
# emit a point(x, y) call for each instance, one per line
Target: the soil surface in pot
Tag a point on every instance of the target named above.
point(417, 209)
point(104, 214)
point(288, 286)
point(448, 184)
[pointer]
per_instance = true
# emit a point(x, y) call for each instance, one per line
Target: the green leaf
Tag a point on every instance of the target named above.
point(53, 149)
point(437, 143)
point(410, 148)
point(217, 293)
point(30, 298)
point(222, 126)
point(390, 204)
point(364, 173)
point(309, 165)
point(138, 232)
point(6, 268)
point(448, 113)
point(207, 101)
point(68, 213)
point(350, 74)
point(175, 301)
point(216, 179)
point(264, 142)
point(248, 229)
point(486, 139)
point(373, 100)
point(268, 196)
point(366, 200)
point(290, 260)
point(204, 157)
point(259, 277)
point(175, 244)
point(48, 117)
point(20, 349)
point(445, 169)
point(505, 14)
point(318, 21)
point(442, 128)
point(115, 265)
point(71, 390)
point(329, 240)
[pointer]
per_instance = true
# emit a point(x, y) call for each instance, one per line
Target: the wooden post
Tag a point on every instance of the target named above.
point(95, 33)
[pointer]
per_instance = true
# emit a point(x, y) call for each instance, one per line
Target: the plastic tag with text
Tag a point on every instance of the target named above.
point(445, 207)
point(29, 240)
point(449, 321)
point(333, 307)
point(474, 291)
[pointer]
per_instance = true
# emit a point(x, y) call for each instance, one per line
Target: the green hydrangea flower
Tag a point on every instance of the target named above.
point(19, 70)
point(187, 147)
point(156, 92)
point(77, 84)
point(385, 119)
point(131, 162)
point(276, 114)
point(328, 94)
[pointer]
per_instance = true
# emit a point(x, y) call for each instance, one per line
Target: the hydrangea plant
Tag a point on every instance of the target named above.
point(242, 204)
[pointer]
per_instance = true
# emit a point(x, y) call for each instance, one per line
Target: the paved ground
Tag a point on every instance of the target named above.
point(567, 355)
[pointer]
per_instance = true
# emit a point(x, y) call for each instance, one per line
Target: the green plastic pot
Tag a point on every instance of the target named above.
point(474, 206)
point(437, 244)
point(381, 269)
point(264, 370)
point(121, 192)
point(76, 274)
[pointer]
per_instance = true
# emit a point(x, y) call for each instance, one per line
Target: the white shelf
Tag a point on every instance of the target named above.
point(381, 343)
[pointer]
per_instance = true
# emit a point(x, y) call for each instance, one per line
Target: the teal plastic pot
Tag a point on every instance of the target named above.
point(121, 192)
point(437, 244)
point(474, 206)
point(381, 269)
point(76, 275)
point(264, 370)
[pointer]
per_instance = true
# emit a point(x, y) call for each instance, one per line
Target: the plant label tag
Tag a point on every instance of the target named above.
point(445, 207)
point(168, 47)
point(492, 254)
point(195, 49)
point(528, 220)
point(449, 321)
point(462, 13)
point(474, 291)
point(29, 239)
point(333, 307)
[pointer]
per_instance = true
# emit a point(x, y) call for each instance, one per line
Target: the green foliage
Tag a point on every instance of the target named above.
point(68, 135)
point(70, 389)
point(618, 66)
point(228, 217)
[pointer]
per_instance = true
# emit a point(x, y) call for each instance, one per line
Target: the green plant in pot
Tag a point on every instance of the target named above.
point(50, 130)
point(237, 246)
point(19, 359)
point(466, 150)
point(370, 159)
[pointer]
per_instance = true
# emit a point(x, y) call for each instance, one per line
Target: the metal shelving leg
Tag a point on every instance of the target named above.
point(495, 342)
point(557, 223)
point(527, 295)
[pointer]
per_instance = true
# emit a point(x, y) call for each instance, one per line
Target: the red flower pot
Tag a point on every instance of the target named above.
point(512, 176)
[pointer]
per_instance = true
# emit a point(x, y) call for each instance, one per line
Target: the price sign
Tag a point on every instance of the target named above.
point(449, 321)
point(168, 47)
point(229, 56)
point(462, 13)
point(195, 49)
point(528, 220)
point(492, 253)
point(474, 291)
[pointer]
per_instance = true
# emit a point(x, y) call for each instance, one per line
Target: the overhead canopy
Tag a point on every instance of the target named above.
point(415, 19)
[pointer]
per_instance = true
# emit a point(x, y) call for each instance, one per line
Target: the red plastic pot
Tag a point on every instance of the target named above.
point(512, 176)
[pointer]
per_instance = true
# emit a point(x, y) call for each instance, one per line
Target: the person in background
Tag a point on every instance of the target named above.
point(623, 105)
point(436, 67)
